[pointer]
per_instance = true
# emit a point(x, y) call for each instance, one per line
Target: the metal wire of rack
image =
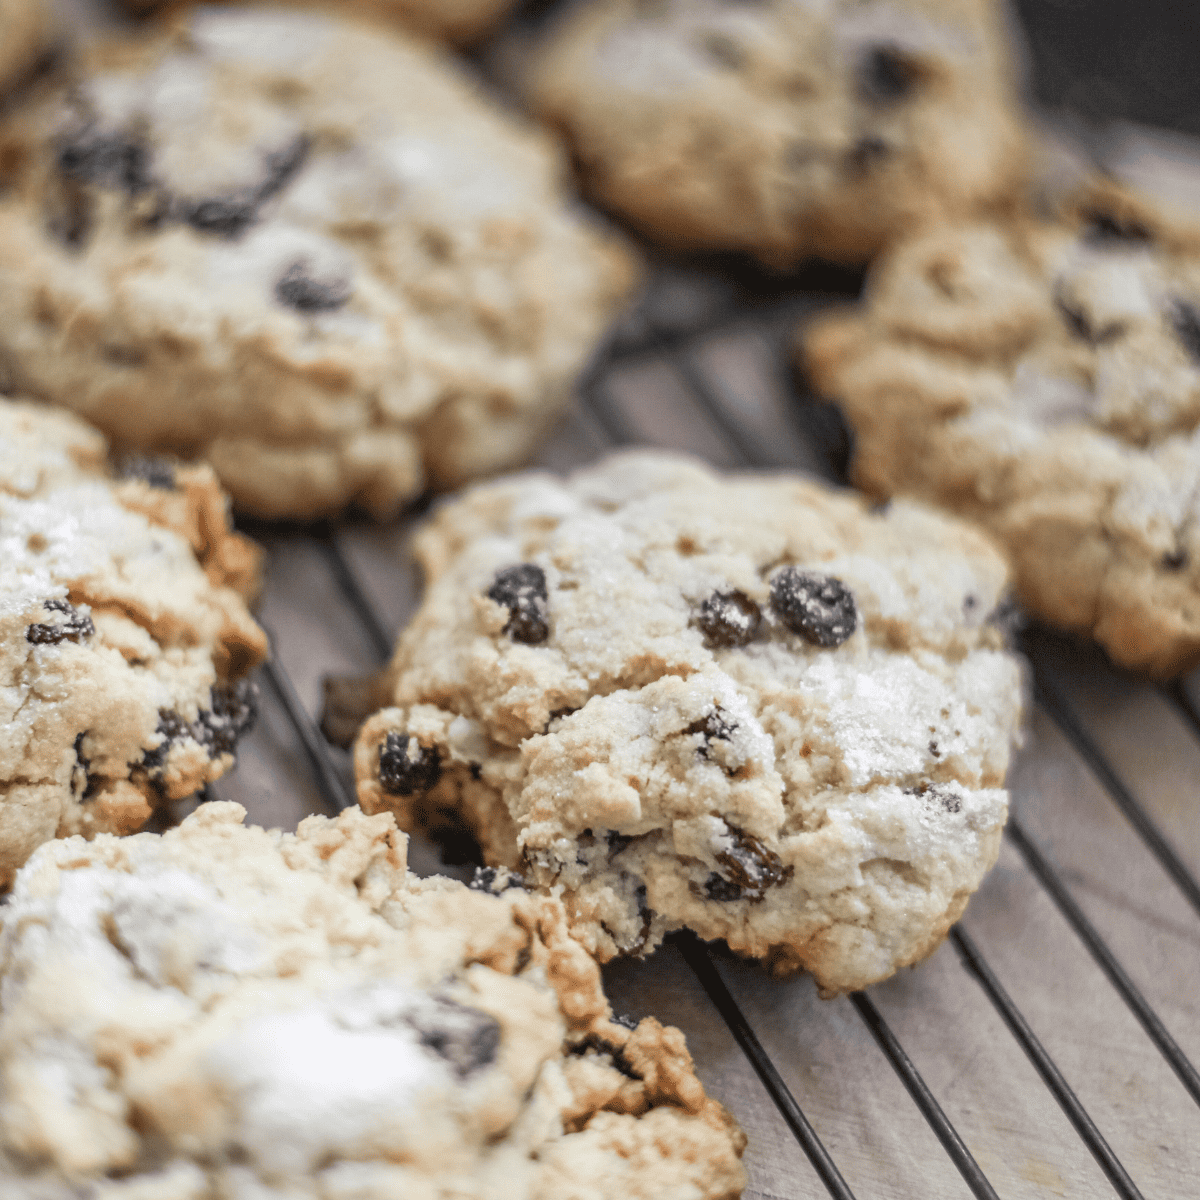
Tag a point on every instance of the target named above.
point(702, 366)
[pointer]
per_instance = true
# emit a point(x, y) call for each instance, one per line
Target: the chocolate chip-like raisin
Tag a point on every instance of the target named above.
point(820, 608)
point(728, 618)
point(1185, 320)
point(405, 766)
point(522, 590)
point(489, 879)
point(74, 626)
point(1100, 227)
point(866, 154)
point(232, 214)
point(300, 289)
point(748, 869)
point(157, 472)
point(231, 715)
point(465, 1037)
point(885, 75)
point(112, 160)
point(617, 842)
point(1075, 319)
point(713, 727)
point(593, 1043)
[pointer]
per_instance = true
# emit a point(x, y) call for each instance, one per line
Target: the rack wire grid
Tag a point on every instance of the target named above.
point(1048, 1048)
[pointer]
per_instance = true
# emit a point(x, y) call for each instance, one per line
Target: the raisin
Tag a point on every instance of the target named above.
point(522, 590)
point(818, 607)
point(106, 159)
point(297, 288)
point(748, 869)
point(83, 784)
point(713, 727)
point(728, 619)
point(232, 214)
point(1075, 319)
point(594, 1043)
point(74, 628)
point(465, 1037)
point(1175, 560)
point(1185, 320)
point(489, 879)
point(885, 75)
point(617, 842)
point(173, 728)
point(405, 766)
point(157, 472)
point(1101, 227)
point(866, 154)
point(232, 714)
point(941, 794)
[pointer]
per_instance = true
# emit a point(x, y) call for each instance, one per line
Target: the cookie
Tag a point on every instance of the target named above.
point(747, 705)
point(124, 636)
point(26, 33)
point(456, 20)
point(309, 251)
point(784, 129)
point(1043, 378)
point(233, 1011)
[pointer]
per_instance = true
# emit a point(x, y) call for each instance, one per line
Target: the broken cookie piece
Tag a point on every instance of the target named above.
point(252, 1013)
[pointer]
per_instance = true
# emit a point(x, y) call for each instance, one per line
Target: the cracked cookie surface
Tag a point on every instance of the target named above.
point(124, 633)
point(224, 1010)
point(785, 129)
point(1043, 379)
point(753, 708)
point(308, 250)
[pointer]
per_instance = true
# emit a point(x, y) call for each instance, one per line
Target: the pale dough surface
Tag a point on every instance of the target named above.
point(1043, 378)
point(786, 128)
point(26, 32)
point(224, 1011)
point(308, 250)
point(124, 633)
point(457, 20)
point(646, 727)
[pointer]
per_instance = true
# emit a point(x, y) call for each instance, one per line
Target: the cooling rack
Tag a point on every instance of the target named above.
point(1048, 1048)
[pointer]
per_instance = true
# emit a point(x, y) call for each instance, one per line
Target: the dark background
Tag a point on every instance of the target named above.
point(1103, 59)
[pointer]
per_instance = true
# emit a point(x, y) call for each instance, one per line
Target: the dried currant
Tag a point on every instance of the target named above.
point(405, 766)
point(157, 472)
point(595, 1044)
point(728, 618)
point(232, 713)
point(73, 628)
point(300, 289)
point(748, 869)
point(1185, 320)
point(232, 214)
point(465, 1037)
point(885, 75)
point(489, 879)
point(1100, 227)
point(522, 590)
point(820, 608)
point(866, 154)
point(106, 159)
point(713, 727)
